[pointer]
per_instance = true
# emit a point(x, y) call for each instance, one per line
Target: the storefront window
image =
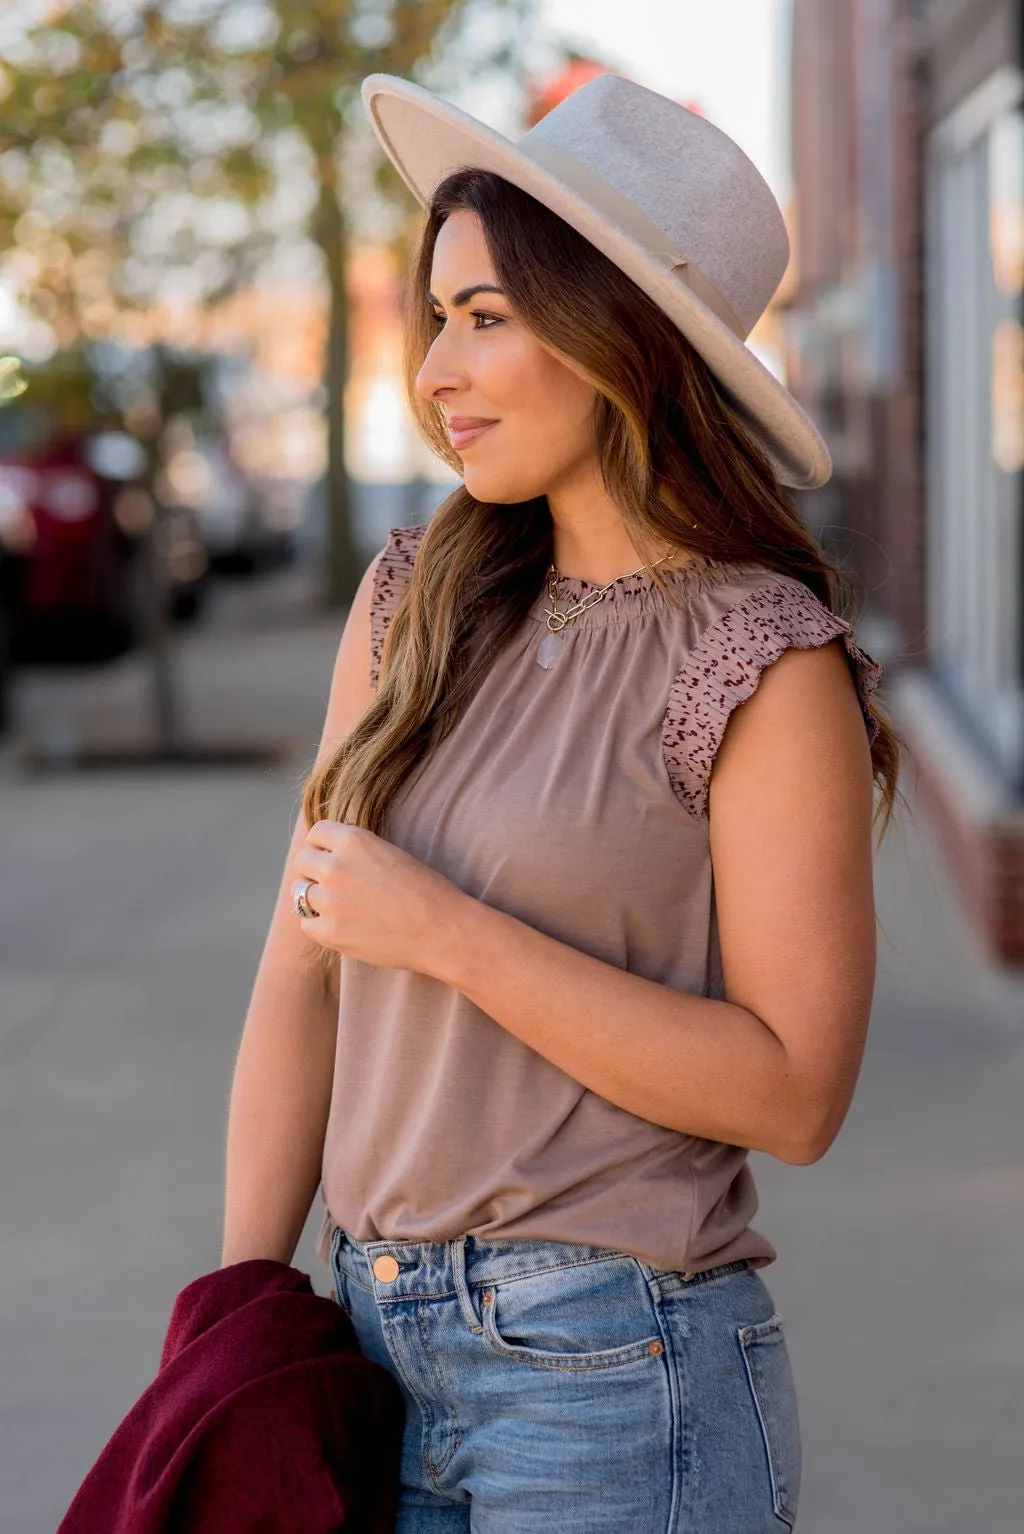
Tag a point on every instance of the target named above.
point(975, 349)
point(1006, 246)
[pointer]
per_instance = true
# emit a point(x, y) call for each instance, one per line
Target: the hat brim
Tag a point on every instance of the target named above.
point(427, 138)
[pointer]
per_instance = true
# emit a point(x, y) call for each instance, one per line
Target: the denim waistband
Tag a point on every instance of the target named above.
point(700, 1277)
point(439, 1267)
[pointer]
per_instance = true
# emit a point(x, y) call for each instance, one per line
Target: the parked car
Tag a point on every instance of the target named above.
point(17, 534)
point(78, 588)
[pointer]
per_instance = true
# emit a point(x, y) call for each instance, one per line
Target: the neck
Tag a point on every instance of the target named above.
point(590, 539)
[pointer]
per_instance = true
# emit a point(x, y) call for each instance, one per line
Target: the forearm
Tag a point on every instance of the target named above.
point(700, 1066)
point(277, 1119)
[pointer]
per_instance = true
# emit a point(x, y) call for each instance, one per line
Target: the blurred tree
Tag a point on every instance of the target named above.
point(161, 150)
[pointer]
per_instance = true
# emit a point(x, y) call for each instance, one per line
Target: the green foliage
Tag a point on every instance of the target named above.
point(166, 148)
point(173, 138)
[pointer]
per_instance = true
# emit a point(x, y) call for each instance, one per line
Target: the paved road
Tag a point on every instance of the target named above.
point(132, 912)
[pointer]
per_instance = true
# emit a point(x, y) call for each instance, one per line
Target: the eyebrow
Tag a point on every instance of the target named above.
point(465, 294)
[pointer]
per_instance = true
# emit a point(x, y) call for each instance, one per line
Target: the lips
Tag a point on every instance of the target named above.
point(464, 429)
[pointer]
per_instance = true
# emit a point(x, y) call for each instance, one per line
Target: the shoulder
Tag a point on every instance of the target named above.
point(394, 563)
point(749, 620)
point(392, 570)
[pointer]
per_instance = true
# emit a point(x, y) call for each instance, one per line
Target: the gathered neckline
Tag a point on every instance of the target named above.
point(635, 592)
point(702, 562)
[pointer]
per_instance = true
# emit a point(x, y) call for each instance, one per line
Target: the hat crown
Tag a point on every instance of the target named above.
point(685, 175)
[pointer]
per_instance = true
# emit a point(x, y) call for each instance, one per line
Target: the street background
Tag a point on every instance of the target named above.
point(132, 914)
point(203, 440)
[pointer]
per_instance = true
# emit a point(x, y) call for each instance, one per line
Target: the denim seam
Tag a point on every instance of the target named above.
point(354, 1278)
point(669, 1284)
point(426, 1416)
point(502, 1278)
point(653, 1275)
point(679, 1437)
point(753, 1334)
point(633, 1353)
point(555, 1267)
point(458, 1261)
point(453, 1426)
point(711, 1275)
point(337, 1274)
point(565, 1363)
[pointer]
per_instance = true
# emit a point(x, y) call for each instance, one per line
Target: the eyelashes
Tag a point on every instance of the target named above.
point(477, 314)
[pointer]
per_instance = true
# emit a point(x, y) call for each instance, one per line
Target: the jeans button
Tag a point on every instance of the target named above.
point(386, 1269)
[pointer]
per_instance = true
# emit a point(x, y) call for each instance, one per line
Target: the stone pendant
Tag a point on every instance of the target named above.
point(549, 649)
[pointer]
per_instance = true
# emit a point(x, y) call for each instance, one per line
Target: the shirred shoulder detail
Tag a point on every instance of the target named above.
point(390, 582)
point(725, 666)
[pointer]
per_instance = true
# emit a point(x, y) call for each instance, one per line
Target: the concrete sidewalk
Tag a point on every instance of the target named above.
point(133, 910)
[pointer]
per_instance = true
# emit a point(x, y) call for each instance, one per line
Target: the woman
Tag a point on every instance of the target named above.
point(573, 930)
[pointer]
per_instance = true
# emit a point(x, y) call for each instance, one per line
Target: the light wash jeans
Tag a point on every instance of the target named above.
point(552, 1386)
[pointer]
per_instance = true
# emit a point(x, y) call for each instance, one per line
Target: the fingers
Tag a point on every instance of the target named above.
point(311, 863)
point(329, 834)
point(310, 895)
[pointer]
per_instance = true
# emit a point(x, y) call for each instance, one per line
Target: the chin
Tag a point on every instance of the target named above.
point(497, 488)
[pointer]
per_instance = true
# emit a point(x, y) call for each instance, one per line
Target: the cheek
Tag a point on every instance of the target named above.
point(546, 414)
point(539, 398)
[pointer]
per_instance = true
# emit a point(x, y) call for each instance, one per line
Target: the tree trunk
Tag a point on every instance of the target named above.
point(164, 710)
point(343, 573)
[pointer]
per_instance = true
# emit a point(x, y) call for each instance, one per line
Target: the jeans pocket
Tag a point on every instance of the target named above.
point(593, 1315)
point(774, 1392)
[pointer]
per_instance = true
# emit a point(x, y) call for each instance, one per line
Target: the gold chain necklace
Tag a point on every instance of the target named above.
point(551, 643)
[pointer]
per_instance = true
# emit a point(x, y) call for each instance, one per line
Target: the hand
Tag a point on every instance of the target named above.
point(373, 901)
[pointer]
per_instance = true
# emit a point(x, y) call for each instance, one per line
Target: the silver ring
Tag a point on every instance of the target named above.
point(300, 890)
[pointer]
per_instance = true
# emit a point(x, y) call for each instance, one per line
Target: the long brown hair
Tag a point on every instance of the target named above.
point(675, 458)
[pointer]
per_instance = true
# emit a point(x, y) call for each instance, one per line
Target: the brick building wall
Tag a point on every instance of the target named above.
point(870, 80)
point(857, 122)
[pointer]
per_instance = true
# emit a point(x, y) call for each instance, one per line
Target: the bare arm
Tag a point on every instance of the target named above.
point(774, 1066)
point(281, 1091)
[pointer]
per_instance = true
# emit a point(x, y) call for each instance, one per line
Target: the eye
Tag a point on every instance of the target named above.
point(477, 314)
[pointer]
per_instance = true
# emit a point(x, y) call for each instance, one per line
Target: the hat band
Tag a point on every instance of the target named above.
point(627, 217)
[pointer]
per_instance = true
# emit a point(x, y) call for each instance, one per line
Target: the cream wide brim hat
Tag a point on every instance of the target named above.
point(666, 195)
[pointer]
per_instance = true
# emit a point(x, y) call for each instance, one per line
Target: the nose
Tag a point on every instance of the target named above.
point(441, 369)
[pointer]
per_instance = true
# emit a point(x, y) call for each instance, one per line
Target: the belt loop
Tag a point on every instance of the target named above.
point(457, 1248)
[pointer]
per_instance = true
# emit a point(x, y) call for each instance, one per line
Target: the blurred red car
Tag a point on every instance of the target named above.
point(71, 508)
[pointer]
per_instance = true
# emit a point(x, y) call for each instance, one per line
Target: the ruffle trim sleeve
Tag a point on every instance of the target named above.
point(390, 582)
point(725, 666)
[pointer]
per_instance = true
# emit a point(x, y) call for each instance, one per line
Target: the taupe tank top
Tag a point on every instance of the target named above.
point(574, 798)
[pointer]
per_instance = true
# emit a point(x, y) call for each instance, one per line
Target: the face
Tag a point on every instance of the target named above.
point(518, 417)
